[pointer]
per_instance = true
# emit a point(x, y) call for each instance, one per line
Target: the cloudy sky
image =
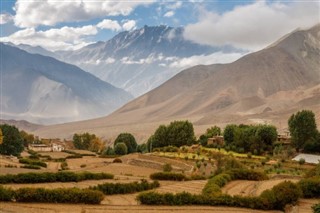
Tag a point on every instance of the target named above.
point(72, 24)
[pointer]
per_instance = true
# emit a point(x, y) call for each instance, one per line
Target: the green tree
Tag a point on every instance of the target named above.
point(129, 140)
point(266, 136)
point(121, 148)
point(1, 136)
point(109, 151)
point(12, 143)
point(180, 133)
point(302, 127)
point(27, 138)
point(142, 148)
point(86, 141)
point(213, 131)
point(228, 133)
point(160, 137)
point(177, 133)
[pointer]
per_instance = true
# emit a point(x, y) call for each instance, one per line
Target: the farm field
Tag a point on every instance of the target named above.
point(64, 208)
point(135, 167)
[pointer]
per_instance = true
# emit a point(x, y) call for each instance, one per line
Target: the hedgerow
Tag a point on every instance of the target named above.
point(215, 183)
point(33, 162)
point(60, 195)
point(275, 198)
point(32, 177)
point(125, 188)
point(168, 176)
point(6, 194)
point(30, 167)
point(246, 174)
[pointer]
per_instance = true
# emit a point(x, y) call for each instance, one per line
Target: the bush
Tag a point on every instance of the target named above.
point(129, 140)
point(120, 149)
point(215, 183)
point(245, 174)
point(316, 208)
point(64, 166)
point(61, 195)
point(310, 187)
point(6, 194)
point(125, 188)
point(314, 171)
point(168, 176)
point(48, 177)
point(33, 162)
point(167, 167)
point(117, 160)
point(30, 167)
point(280, 195)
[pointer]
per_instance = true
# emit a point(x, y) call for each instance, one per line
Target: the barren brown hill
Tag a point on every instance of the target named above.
point(265, 86)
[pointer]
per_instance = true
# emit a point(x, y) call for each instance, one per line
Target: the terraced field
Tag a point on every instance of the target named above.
point(252, 188)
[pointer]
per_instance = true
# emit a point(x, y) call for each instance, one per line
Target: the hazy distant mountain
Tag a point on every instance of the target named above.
point(34, 49)
point(42, 89)
point(265, 86)
point(140, 60)
point(21, 124)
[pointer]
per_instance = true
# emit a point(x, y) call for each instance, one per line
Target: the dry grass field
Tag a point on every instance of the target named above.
point(105, 208)
point(252, 188)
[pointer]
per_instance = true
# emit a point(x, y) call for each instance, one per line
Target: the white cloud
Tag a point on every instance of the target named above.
point(252, 26)
point(109, 24)
point(5, 18)
point(169, 14)
point(218, 57)
point(174, 6)
point(33, 13)
point(129, 25)
point(64, 38)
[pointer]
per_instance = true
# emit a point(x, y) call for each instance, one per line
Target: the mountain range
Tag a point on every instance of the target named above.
point(262, 87)
point(42, 89)
point(139, 60)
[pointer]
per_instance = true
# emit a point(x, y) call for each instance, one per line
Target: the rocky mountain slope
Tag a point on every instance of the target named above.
point(44, 90)
point(263, 87)
point(139, 60)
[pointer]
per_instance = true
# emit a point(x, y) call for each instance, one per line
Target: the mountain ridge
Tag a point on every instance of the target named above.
point(265, 86)
point(45, 90)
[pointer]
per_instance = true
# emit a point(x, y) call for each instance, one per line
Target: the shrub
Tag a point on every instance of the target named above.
point(168, 176)
point(316, 208)
point(167, 167)
point(33, 162)
point(280, 195)
point(314, 171)
point(60, 195)
point(125, 188)
point(310, 187)
point(129, 140)
point(215, 183)
point(117, 160)
point(6, 194)
point(30, 167)
point(245, 174)
point(120, 149)
point(48, 177)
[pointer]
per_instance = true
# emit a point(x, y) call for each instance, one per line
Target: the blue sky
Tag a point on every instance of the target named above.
point(58, 24)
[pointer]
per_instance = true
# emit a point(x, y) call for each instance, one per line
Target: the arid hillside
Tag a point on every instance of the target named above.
point(263, 87)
